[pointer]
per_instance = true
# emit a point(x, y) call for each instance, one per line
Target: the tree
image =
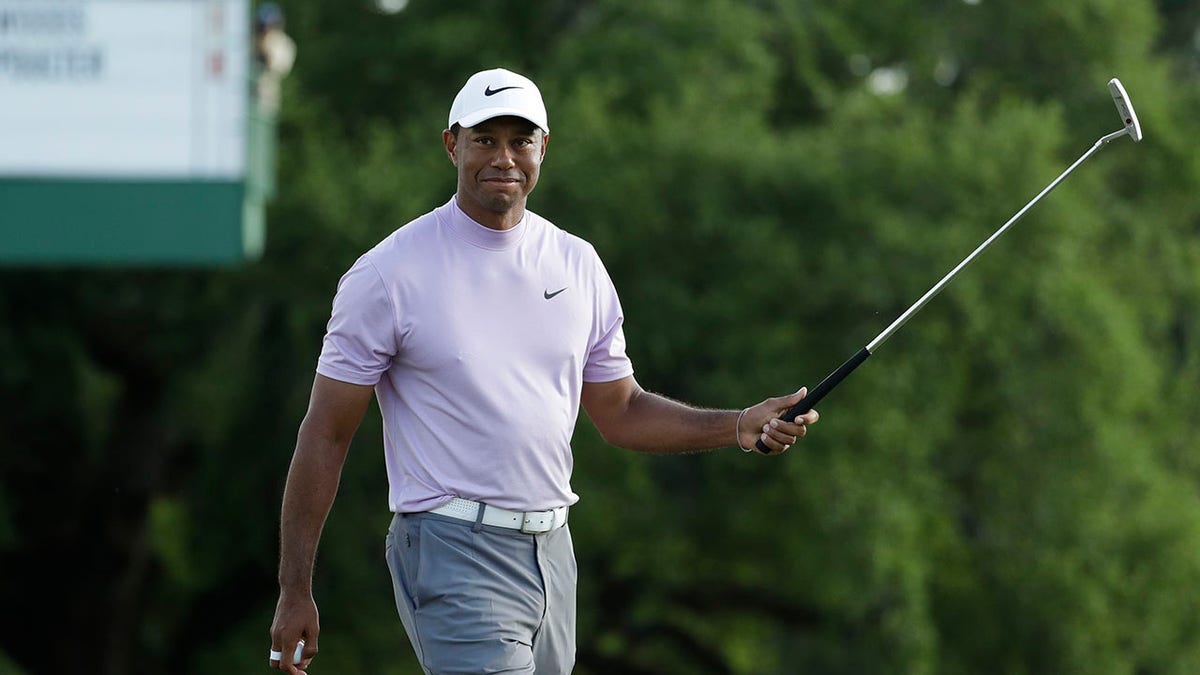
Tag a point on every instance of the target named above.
point(1007, 486)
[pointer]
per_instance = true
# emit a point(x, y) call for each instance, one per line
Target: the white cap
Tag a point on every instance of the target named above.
point(498, 92)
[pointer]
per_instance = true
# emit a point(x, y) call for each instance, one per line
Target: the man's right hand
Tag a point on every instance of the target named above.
point(295, 619)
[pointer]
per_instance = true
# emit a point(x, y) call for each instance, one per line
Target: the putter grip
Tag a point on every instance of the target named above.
point(818, 392)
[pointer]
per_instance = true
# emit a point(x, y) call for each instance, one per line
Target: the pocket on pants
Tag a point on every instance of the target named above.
point(479, 598)
point(485, 575)
point(400, 551)
point(445, 567)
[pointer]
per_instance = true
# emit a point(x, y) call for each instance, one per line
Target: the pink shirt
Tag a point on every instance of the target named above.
point(478, 343)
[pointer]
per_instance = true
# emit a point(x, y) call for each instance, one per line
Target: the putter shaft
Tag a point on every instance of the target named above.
point(857, 359)
point(937, 288)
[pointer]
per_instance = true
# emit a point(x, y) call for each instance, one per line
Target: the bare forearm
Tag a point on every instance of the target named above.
point(655, 423)
point(630, 417)
point(311, 487)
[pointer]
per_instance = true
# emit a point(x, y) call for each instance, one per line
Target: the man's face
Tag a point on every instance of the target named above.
point(498, 162)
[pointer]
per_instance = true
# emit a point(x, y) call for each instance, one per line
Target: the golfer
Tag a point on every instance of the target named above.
point(481, 327)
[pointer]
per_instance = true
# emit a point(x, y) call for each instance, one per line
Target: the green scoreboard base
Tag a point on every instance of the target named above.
point(118, 223)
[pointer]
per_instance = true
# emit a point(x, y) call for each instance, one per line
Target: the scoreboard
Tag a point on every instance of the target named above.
point(125, 127)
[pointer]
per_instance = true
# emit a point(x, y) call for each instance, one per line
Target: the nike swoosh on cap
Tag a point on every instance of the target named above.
point(488, 91)
point(549, 295)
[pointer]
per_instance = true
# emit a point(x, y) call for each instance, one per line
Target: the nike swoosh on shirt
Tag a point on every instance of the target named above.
point(492, 92)
point(549, 295)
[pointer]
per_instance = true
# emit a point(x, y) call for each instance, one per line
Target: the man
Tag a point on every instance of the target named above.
point(481, 328)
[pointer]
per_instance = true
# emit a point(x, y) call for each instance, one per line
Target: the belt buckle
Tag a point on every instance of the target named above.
point(537, 522)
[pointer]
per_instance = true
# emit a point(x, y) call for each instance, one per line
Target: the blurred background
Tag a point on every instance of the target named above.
point(1012, 485)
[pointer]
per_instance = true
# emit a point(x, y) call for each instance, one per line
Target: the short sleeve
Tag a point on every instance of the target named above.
point(360, 339)
point(606, 359)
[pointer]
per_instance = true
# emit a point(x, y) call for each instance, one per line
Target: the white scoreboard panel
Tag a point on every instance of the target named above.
point(124, 89)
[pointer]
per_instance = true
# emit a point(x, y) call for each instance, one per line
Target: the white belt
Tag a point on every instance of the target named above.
point(529, 522)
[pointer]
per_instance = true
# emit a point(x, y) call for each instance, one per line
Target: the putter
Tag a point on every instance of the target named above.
point(1132, 127)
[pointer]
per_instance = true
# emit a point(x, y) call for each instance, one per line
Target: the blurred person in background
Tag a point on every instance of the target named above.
point(274, 53)
point(481, 328)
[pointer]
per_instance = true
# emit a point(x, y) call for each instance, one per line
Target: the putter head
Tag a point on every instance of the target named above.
point(1125, 108)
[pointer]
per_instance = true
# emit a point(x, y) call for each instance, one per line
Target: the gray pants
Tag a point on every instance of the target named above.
point(480, 599)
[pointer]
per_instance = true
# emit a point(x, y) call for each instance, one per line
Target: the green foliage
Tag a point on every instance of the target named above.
point(1010, 485)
